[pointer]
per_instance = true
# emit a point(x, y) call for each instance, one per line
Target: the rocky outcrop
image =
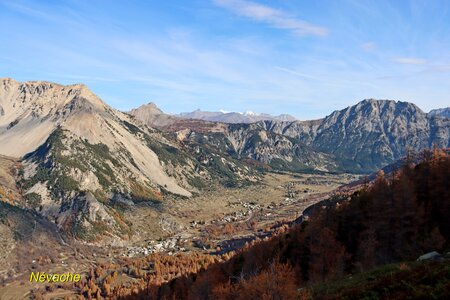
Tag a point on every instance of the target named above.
point(359, 138)
point(36, 109)
point(373, 133)
point(370, 134)
point(151, 115)
point(79, 155)
point(441, 112)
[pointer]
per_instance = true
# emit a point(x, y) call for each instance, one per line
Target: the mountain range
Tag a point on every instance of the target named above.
point(360, 138)
point(233, 117)
point(78, 161)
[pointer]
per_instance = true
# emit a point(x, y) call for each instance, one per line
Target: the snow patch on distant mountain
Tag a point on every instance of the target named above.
point(234, 117)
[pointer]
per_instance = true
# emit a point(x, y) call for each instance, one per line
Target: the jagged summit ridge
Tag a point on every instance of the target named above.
point(32, 110)
point(360, 138)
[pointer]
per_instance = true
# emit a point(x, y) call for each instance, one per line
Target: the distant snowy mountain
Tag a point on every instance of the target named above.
point(234, 117)
point(361, 138)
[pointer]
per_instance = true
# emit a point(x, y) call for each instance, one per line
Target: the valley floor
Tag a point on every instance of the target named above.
point(220, 213)
point(216, 221)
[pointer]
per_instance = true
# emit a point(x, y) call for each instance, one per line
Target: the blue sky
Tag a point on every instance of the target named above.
point(306, 58)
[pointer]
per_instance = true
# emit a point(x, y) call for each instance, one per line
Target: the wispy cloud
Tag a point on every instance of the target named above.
point(28, 10)
point(396, 76)
point(327, 80)
point(273, 17)
point(293, 72)
point(434, 69)
point(183, 65)
point(83, 77)
point(186, 59)
point(409, 61)
point(369, 46)
point(439, 68)
point(35, 12)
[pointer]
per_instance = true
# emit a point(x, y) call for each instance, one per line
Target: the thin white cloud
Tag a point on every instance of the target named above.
point(439, 69)
point(426, 71)
point(409, 61)
point(83, 77)
point(185, 59)
point(68, 18)
point(327, 80)
point(273, 17)
point(293, 72)
point(30, 11)
point(369, 46)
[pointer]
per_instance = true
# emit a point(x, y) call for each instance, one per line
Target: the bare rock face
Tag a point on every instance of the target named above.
point(77, 152)
point(272, 147)
point(359, 138)
point(151, 115)
point(79, 156)
point(370, 134)
point(36, 109)
point(373, 133)
point(267, 141)
point(441, 112)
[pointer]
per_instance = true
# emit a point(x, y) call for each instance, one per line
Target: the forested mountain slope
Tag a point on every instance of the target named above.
point(347, 238)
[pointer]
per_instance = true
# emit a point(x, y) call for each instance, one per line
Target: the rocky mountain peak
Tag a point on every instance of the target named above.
point(30, 111)
point(151, 115)
point(44, 93)
point(374, 110)
point(384, 103)
point(150, 109)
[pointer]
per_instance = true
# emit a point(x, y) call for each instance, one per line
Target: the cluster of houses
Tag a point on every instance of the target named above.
point(170, 246)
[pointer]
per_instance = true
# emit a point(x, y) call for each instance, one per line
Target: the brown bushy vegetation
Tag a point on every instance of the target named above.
point(117, 280)
point(401, 216)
